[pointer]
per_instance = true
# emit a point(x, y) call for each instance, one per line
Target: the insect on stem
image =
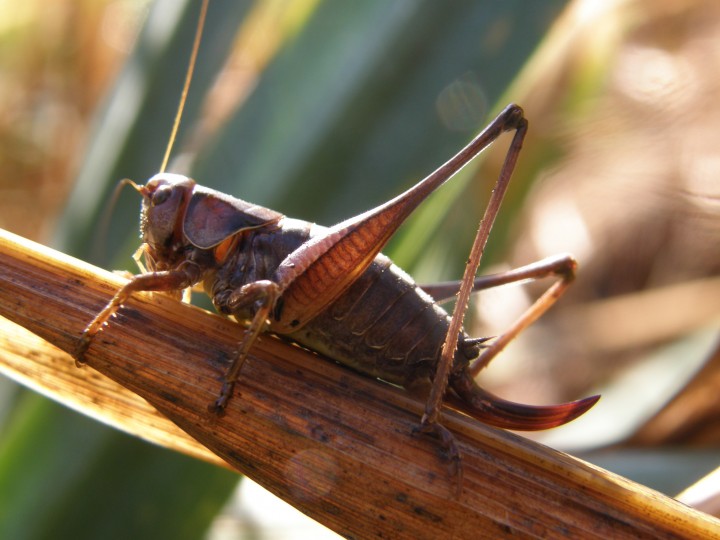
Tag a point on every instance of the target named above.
point(330, 290)
point(186, 86)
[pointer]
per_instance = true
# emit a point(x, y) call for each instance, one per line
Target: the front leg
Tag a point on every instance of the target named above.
point(172, 280)
point(263, 296)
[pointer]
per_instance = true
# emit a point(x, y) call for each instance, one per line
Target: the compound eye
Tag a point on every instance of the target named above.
point(161, 195)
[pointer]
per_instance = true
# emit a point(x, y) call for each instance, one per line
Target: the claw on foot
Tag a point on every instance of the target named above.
point(449, 448)
point(218, 406)
point(81, 348)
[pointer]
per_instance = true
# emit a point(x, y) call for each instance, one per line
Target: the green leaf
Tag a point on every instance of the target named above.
point(65, 476)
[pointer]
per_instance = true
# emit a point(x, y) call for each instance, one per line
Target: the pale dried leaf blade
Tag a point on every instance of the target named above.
point(704, 494)
point(334, 444)
point(35, 363)
point(644, 317)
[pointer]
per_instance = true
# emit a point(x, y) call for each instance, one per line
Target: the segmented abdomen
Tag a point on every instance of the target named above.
point(383, 325)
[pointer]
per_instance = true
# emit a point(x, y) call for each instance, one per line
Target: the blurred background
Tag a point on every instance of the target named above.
point(324, 109)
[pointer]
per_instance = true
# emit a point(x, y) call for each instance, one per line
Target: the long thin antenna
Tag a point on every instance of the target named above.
point(186, 87)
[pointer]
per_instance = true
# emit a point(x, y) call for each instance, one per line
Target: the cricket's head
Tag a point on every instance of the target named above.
point(178, 215)
point(165, 200)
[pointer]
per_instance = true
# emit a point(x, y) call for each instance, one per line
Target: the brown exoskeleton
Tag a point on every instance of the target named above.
point(330, 289)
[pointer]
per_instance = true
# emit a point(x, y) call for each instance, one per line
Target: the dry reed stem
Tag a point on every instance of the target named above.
point(334, 444)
